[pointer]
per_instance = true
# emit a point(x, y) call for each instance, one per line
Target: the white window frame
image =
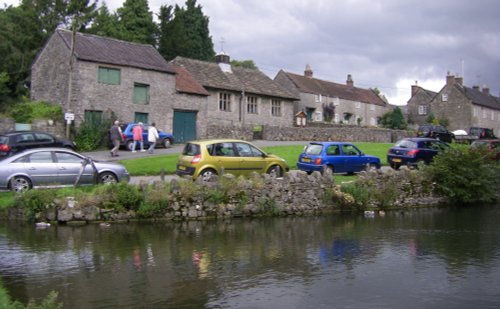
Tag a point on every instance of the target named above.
point(444, 97)
point(225, 101)
point(422, 109)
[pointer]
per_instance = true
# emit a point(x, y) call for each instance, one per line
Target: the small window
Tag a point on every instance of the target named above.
point(225, 101)
point(93, 117)
point(444, 97)
point(252, 105)
point(45, 138)
point(422, 110)
point(141, 117)
point(109, 76)
point(350, 150)
point(276, 108)
point(224, 150)
point(141, 94)
point(333, 150)
point(358, 104)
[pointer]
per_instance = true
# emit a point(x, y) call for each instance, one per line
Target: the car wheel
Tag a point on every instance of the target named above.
point(129, 144)
point(395, 166)
point(275, 171)
point(20, 183)
point(108, 178)
point(167, 143)
point(207, 174)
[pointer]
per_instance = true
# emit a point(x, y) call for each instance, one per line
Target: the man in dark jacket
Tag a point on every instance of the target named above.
point(115, 135)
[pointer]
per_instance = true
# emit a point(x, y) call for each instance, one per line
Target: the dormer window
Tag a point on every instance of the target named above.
point(444, 97)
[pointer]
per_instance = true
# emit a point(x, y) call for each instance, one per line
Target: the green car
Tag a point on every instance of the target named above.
point(215, 157)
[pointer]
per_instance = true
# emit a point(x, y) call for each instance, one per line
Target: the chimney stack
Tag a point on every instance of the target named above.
point(460, 81)
point(475, 87)
point(349, 81)
point(450, 79)
point(308, 71)
point(486, 89)
point(414, 89)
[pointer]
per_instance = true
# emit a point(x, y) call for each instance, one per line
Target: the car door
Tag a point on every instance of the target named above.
point(41, 168)
point(225, 157)
point(69, 166)
point(251, 159)
point(352, 158)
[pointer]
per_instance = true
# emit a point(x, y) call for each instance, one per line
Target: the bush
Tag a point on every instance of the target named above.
point(92, 135)
point(26, 111)
point(465, 175)
point(35, 202)
point(120, 196)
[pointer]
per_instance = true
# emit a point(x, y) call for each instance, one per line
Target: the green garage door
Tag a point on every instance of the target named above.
point(184, 126)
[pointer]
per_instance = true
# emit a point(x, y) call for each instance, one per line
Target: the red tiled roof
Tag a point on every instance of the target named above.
point(185, 82)
point(351, 93)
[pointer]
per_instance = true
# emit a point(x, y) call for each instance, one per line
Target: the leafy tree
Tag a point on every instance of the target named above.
point(248, 64)
point(104, 23)
point(80, 13)
point(328, 111)
point(135, 23)
point(393, 119)
point(184, 32)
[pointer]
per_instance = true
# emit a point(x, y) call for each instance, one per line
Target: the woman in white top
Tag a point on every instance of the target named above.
point(152, 137)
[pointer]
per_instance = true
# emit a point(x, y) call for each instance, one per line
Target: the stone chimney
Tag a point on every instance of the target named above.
point(349, 82)
point(486, 89)
point(450, 79)
point(414, 89)
point(475, 87)
point(308, 72)
point(460, 81)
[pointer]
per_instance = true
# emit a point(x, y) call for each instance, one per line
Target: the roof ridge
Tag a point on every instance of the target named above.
point(105, 38)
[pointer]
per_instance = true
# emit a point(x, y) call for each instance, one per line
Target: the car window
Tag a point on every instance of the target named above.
point(313, 149)
point(25, 138)
point(224, 150)
point(350, 150)
point(64, 157)
point(406, 144)
point(43, 137)
point(191, 150)
point(41, 157)
point(246, 150)
point(4, 139)
point(333, 150)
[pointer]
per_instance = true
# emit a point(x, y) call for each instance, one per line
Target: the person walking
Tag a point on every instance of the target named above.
point(116, 137)
point(152, 137)
point(137, 136)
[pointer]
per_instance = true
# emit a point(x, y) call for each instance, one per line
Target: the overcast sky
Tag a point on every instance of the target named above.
point(388, 44)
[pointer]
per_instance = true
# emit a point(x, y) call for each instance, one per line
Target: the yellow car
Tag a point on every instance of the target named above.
point(214, 157)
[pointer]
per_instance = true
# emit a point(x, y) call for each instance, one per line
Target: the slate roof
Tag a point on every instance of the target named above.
point(100, 49)
point(210, 75)
point(325, 88)
point(430, 94)
point(480, 98)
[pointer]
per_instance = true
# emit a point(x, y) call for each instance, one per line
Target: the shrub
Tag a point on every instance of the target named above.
point(465, 175)
point(92, 135)
point(157, 199)
point(34, 202)
point(26, 111)
point(120, 196)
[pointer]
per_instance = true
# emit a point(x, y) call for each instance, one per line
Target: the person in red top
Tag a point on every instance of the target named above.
point(137, 135)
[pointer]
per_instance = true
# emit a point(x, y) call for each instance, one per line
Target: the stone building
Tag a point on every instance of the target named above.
point(240, 96)
point(331, 102)
point(462, 106)
point(101, 75)
point(418, 107)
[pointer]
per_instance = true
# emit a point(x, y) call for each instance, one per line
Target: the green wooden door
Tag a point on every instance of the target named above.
point(184, 126)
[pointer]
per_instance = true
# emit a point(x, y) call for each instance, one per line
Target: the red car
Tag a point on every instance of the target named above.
point(491, 144)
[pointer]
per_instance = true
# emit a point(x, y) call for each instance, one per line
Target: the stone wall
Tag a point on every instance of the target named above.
point(312, 132)
point(55, 128)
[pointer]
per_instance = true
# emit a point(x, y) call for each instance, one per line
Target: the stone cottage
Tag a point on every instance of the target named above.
point(98, 75)
point(331, 102)
point(418, 107)
point(240, 96)
point(462, 106)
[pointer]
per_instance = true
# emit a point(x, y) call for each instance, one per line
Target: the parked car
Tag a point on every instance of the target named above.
point(237, 157)
point(482, 133)
point(164, 140)
point(56, 167)
point(412, 151)
point(17, 141)
point(491, 144)
point(435, 131)
point(339, 157)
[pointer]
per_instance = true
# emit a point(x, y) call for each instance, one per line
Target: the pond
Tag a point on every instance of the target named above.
point(426, 258)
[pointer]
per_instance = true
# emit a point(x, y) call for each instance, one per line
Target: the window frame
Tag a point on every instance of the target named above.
point(135, 95)
point(252, 104)
point(276, 108)
point(225, 99)
point(105, 76)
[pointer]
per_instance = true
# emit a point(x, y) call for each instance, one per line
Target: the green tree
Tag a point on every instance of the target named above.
point(184, 32)
point(248, 64)
point(135, 23)
point(104, 23)
point(393, 119)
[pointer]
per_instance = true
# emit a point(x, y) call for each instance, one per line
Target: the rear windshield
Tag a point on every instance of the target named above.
point(313, 149)
point(191, 150)
point(406, 144)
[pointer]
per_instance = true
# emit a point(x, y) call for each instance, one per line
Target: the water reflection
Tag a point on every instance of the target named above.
point(410, 259)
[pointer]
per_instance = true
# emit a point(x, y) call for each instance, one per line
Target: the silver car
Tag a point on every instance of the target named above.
point(56, 167)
